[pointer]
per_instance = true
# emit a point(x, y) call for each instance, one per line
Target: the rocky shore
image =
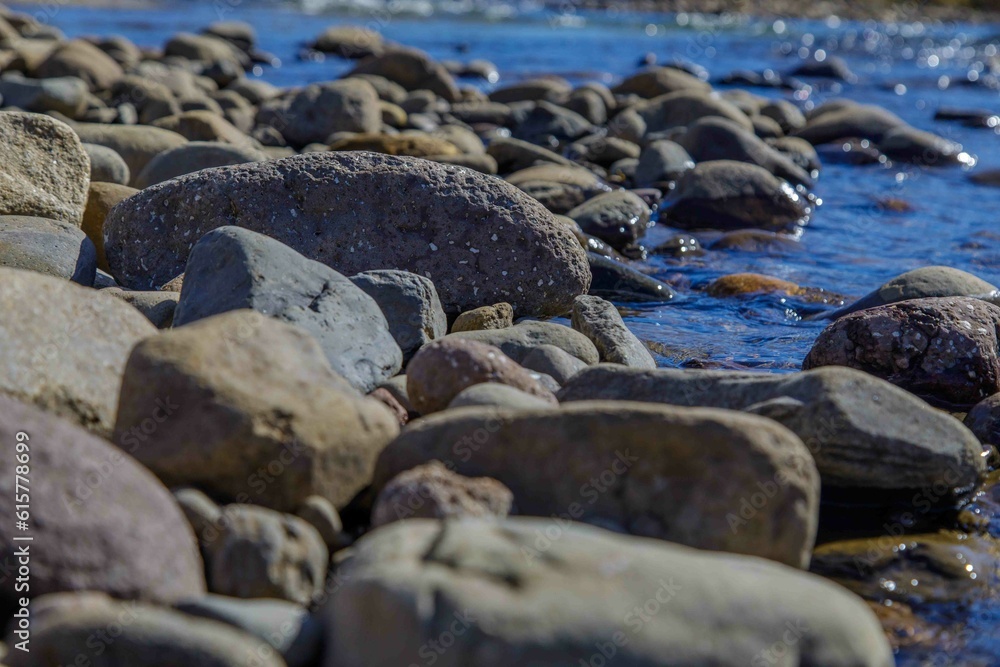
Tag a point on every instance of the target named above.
point(288, 373)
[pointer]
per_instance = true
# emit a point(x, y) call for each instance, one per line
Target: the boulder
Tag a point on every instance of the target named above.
point(831, 123)
point(106, 166)
point(677, 474)
point(44, 170)
point(194, 156)
point(519, 340)
point(47, 246)
point(600, 321)
point(514, 155)
point(662, 161)
point(65, 346)
point(431, 491)
point(410, 304)
point(320, 513)
point(313, 113)
point(862, 431)
point(413, 70)
point(442, 369)
point(943, 349)
point(99, 520)
point(510, 594)
point(684, 107)
point(514, 252)
point(620, 217)
point(262, 417)
point(908, 144)
point(232, 268)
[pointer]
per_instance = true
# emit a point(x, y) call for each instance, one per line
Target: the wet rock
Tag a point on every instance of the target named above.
point(656, 480)
point(719, 139)
point(65, 94)
point(683, 108)
point(832, 123)
point(515, 252)
point(44, 170)
point(727, 195)
point(618, 217)
point(232, 268)
point(554, 362)
point(47, 246)
point(413, 70)
point(657, 81)
point(984, 420)
point(928, 281)
point(785, 114)
point(600, 321)
point(83, 60)
point(680, 247)
point(65, 346)
point(194, 156)
point(616, 280)
point(260, 553)
point(431, 491)
point(497, 316)
point(106, 166)
point(285, 626)
point(70, 625)
point(315, 112)
point(410, 304)
point(102, 197)
point(413, 145)
point(943, 349)
point(907, 144)
point(514, 155)
point(137, 144)
point(101, 521)
point(501, 395)
point(558, 601)
point(830, 67)
point(519, 340)
point(862, 431)
point(754, 240)
point(348, 41)
point(261, 417)
point(737, 284)
point(660, 162)
point(799, 151)
point(442, 369)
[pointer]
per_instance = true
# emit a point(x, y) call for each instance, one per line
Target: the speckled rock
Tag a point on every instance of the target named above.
point(44, 170)
point(65, 346)
point(442, 369)
point(514, 252)
point(262, 418)
point(600, 321)
point(651, 478)
point(100, 520)
point(497, 316)
point(232, 268)
point(431, 491)
point(942, 349)
point(47, 246)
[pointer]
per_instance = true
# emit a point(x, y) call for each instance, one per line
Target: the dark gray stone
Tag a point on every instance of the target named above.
point(192, 157)
point(660, 162)
point(600, 321)
point(613, 279)
point(47, 246)
point(106, 165)
point(410, 304)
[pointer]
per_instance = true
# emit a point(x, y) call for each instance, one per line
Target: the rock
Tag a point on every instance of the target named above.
point(680, 246)
point(497, 316)
point(431, 491)
point(194, 156)
point(44, 170)
point(737, 284)
point(263, 418)
point(260, 553)
point(657, 81)
point(559, 188)
point(984, 420)
point(600, 321)
point(201, 512)
point(660, 162)
point(100, 521)
point(588, 104)
point(514, 252)
point(47, 246)
point(315, 112)
point(285, 626)
point(413, 70)
point(320, 513)
point(106, 166)
point(755, 240)
point(206, 49)
point(684, 107)
point(830, 67)
point(442, 369)
point(65, 346)
point(728, 195)
point(81, 59)
point(107, 631)
point(862, 431)
point(785, 114)
point(799, 151)
point(549, 123)
point(413, 145)
point(501, 395)
point(204, 125)
point(554, 362)
point(137, 144)
point(514, 155)
point(65, 94)
point(836, 122)
point(549, 88)
point(386, 397)
point(102, 197)
point(238, 33)
point(907, 144)
point(720, 139)
point(481, 163)
point(618, 217)
point(158, 307)
point(348, 41)
point(928, 281)
point(583, 595)
point(603, 150)
point(232, 268)
point(613, 279)
point(943, 349)
point(410, 304)
point(651, 478)
point(519, 340)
